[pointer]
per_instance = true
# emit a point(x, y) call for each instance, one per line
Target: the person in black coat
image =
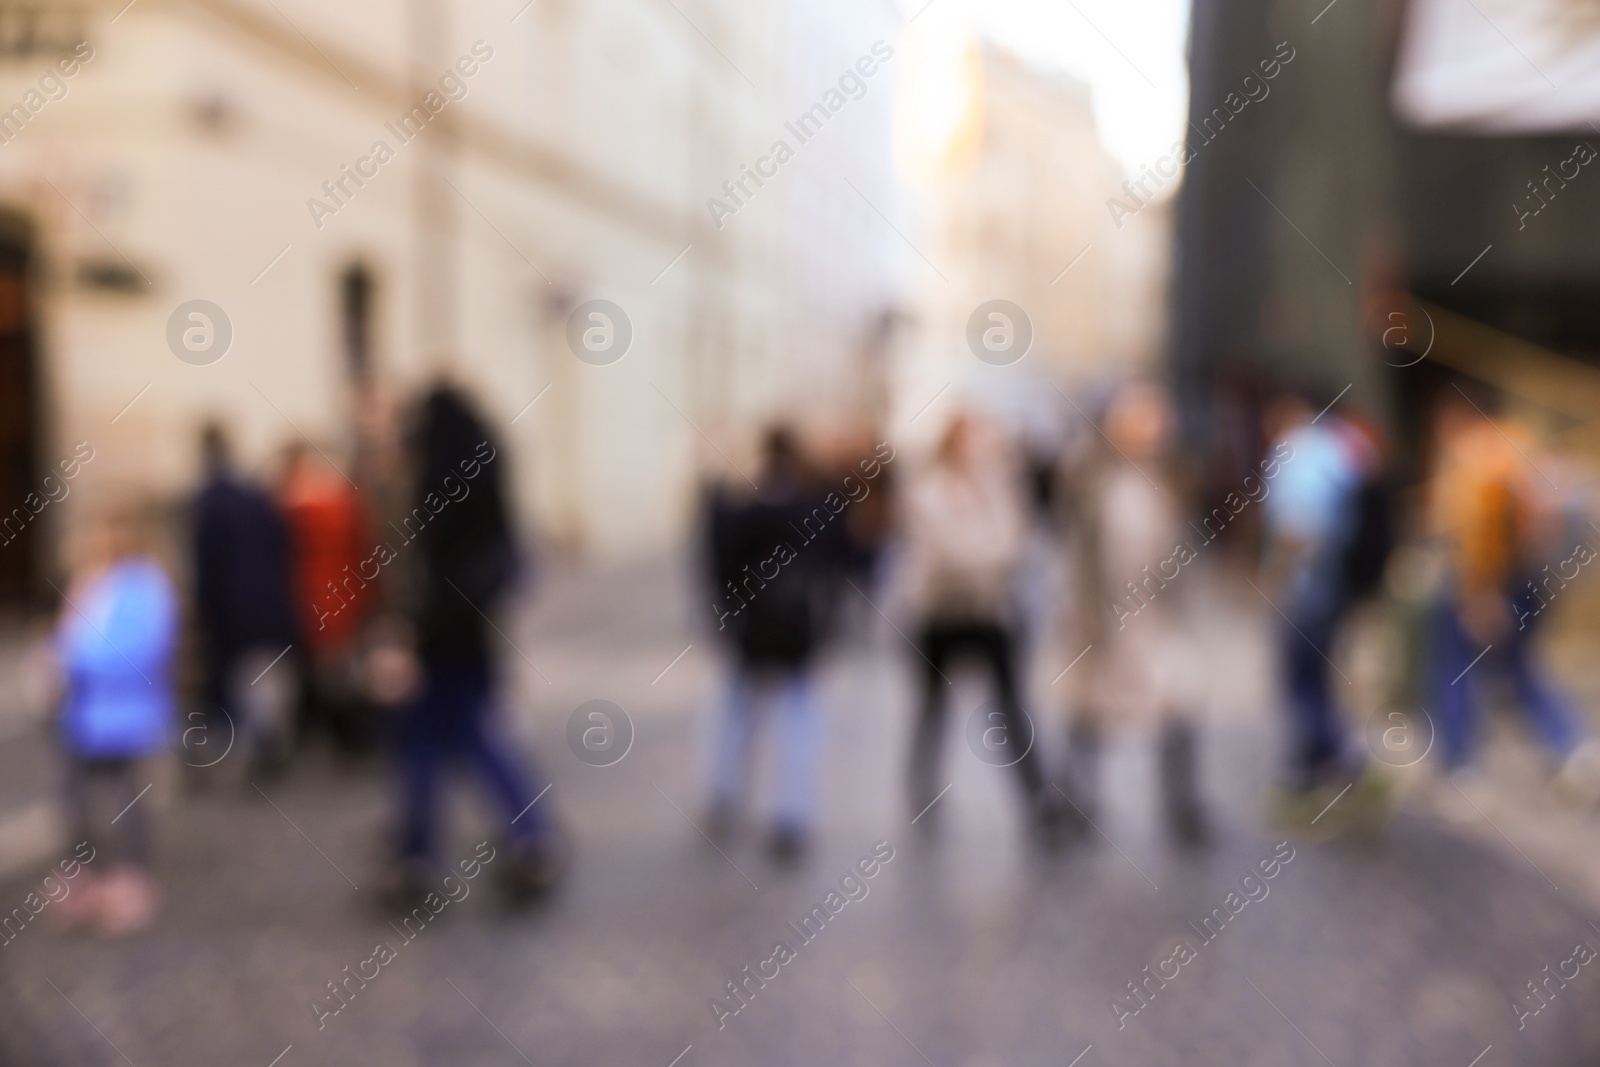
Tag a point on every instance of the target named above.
point(463, 562)
point(774, 562)
point(246, 620)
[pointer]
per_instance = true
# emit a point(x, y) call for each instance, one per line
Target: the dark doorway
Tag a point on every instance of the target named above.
point(355, 320)
point(20, 535)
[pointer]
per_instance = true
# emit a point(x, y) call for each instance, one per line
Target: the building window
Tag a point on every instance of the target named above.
point(40, 28)
point(355, 319)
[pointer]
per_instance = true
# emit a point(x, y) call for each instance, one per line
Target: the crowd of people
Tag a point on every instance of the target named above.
point(1459, 565)
point(301, 627)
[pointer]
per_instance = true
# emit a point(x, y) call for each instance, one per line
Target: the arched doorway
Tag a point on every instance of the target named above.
point(21, 538)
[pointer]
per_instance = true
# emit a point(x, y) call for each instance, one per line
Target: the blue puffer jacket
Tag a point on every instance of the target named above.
point(116, 644)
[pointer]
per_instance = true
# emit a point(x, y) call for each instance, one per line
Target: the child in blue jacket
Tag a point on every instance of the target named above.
point(115, 642)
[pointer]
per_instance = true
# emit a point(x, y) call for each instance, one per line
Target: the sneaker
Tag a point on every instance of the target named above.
point(408, 884)
point(786, 845)
point(721, 822)
point(1076, 807)
point(81, 905)
point(534, 866)
point(924, 805)
point(1187, 825)
point(128, 902)
point(1367, 807)
point(1577, 781)
point(1461, 797)
point(1305, 812)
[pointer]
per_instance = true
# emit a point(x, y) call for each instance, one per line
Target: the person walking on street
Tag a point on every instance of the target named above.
point(965, 525)
point(245, 614)
point(466, 562)
point(115, 642)
point(328, 543)
point(1502, 533)
point(774, 559)
point(1128, 526)
point(1317, 466)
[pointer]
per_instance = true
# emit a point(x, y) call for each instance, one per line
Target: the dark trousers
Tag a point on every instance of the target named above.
point(100, 796)
point(1317, 746)
point(451, 720)
point(941, 645)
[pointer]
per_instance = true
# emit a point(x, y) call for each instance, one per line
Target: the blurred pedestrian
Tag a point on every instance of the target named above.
point(115, 641)
point(242, 598)
point(867, 520)
point(774, 558)
point(465, 556)
point(966, 526)
point(1317, 465)
point(1133, 543)
point(1502, 530)
point(332, 597)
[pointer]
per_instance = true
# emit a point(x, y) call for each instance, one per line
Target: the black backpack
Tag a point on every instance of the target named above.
point(1366, 553)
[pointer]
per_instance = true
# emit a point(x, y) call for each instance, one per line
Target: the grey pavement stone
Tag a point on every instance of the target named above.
point(969, 949)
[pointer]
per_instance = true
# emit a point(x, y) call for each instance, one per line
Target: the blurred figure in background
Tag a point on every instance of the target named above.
point(775, 558)
point(1498, 523)
point(966, 526)
point(466, 561)
point(1317, 464)
point(1132, 539)
point(115, 642)
point(867, 520)
point(327, 533)
point(242, 595)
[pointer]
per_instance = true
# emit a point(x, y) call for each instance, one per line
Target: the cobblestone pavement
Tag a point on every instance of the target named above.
point(969, 949)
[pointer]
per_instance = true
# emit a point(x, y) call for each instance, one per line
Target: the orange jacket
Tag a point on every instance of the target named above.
point(326, 527)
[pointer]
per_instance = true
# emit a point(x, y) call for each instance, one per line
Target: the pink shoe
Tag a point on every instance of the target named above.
point(128, 903)
point(80, 906)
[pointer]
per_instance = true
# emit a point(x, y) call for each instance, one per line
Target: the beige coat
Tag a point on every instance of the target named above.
point(1144, 665)
point(965, 534)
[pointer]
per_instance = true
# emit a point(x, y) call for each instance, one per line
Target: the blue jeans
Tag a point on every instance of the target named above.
point(1455, 700)
point(1317, 737)
point(451, 720)
point(799, 742)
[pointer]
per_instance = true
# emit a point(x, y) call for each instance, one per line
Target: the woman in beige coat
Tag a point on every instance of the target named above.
point(966, 529)
point(1133, 550)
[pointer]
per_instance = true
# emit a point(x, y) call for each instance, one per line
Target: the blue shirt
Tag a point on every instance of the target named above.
point(116, 644)
point(1312, 501)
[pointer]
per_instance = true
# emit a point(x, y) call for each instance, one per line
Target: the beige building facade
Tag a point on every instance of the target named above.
point(372, 193)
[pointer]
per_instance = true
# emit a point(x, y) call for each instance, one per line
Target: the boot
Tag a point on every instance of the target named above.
point(787, 844)
point(1180, 791)
point(1083, 769)
point(922, 784)
point(534, 866)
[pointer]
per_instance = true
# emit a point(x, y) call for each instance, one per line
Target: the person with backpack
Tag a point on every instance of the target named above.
point(1311, 524)
point(775, 561)
point(1372, 526)
point(1498, 524)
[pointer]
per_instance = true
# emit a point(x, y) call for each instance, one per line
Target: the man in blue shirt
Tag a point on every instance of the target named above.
point(1310, 522)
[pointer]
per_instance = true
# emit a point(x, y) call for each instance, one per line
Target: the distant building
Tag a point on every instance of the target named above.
point(1010, 204)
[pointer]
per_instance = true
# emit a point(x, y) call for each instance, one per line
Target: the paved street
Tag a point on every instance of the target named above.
point(967, 949)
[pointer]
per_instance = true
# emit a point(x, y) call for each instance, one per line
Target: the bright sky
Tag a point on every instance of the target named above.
point(1131, 52)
